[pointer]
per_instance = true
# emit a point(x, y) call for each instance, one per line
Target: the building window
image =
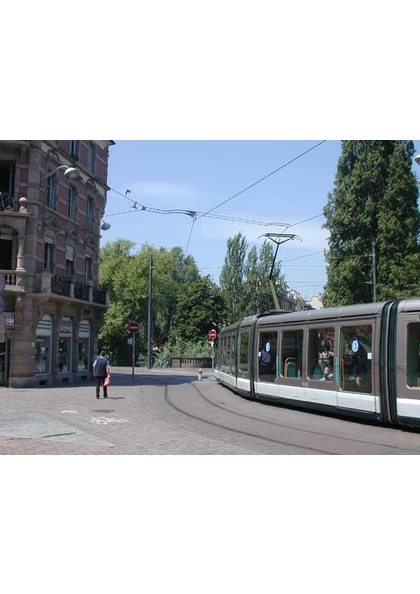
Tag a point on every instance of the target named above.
point(92, 157)
point(74, 148)
point(88, 268)
point(48, 256)
point(71, 202)
point(89, 215)
point(69, 262)
point(51, 189)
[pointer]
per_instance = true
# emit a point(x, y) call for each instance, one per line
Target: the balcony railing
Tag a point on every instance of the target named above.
point(100, 295)
point(8, 202)
point(60, 286)
point(65, 287)
point(81, 291)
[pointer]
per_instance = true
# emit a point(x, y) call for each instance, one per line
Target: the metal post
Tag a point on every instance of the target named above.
point(133, 342)
point(374, 270)
point(212, 356)
point(149, 316)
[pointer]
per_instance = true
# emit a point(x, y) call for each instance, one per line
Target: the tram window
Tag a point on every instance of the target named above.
point(222, 352)
point(243, 352)
point(267, 356)
point(321, 354)
point(413, 356)
point(232, 361)
point(356, 359)
point(291, 353)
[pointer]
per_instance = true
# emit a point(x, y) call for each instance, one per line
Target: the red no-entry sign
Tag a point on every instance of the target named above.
point(212, 334)
point(133, 327)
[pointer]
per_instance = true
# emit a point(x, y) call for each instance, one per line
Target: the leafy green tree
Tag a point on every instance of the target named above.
point(200, 306)
point(232, 277)
point(373, 207)
point(244, 278)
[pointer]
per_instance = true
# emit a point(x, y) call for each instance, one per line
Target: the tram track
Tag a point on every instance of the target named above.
point(310, 432)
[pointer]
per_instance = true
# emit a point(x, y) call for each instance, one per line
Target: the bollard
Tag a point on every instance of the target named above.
point(200, 375)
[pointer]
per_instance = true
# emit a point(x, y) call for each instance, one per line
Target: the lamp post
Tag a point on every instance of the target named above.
point(70, 172)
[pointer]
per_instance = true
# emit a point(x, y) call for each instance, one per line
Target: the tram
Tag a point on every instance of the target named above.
point(361, 361)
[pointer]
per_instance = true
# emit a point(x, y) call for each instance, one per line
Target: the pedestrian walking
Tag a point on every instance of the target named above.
point(101, 370)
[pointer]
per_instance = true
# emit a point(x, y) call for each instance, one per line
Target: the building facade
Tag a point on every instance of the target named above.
point(52, 199)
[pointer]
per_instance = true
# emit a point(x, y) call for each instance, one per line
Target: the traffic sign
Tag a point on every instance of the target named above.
point(133, 327)
point(212, 334)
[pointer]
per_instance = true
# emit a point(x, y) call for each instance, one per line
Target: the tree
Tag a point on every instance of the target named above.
point(232, 276)
point(244, 279)
point(258, 296)
point(127, 276)
point(200, 306)
point(373, 207)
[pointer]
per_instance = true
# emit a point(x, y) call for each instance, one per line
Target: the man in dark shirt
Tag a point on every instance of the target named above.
point(100, 372)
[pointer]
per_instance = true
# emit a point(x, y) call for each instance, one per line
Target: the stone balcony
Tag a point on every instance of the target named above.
point(68, 287)
point(13, 281)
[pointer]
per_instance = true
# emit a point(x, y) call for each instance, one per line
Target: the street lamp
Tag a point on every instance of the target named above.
point(417, 159)
point(105, 226)
point(70, 172)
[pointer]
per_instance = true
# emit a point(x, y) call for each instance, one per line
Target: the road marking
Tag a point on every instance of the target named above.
point(72, 412)
point(106, 420)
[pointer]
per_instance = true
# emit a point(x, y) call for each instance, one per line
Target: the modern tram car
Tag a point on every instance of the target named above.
point(360, 360)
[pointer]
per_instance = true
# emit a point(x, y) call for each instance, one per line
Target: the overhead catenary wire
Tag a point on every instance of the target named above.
point(264, 178)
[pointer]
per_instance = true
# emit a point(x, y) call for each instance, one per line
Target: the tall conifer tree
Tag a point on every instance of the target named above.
point(372, 214)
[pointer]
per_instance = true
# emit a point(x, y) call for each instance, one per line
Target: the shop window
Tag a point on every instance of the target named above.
point(64, 360)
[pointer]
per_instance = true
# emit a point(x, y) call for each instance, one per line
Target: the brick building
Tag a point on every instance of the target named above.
point(52, 200)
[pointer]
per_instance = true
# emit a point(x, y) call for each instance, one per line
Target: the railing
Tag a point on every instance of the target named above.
point(66, 287)
point(81, 291)
point(8, 203)
point(191, 362)
point(99, 295)
point(10, 278)
point(60, 286)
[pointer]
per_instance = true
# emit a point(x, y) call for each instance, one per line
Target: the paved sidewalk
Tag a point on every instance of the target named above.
point(70, 420)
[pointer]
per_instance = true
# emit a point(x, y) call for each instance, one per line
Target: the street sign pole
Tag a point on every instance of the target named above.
point(212, 356)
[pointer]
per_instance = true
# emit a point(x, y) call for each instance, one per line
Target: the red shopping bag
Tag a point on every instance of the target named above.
point(107, 380)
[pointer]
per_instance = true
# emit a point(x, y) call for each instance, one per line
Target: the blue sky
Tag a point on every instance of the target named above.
point(199, 175)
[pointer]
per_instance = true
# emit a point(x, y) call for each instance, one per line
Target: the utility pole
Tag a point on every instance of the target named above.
point(374, 270)
point(149, 316)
